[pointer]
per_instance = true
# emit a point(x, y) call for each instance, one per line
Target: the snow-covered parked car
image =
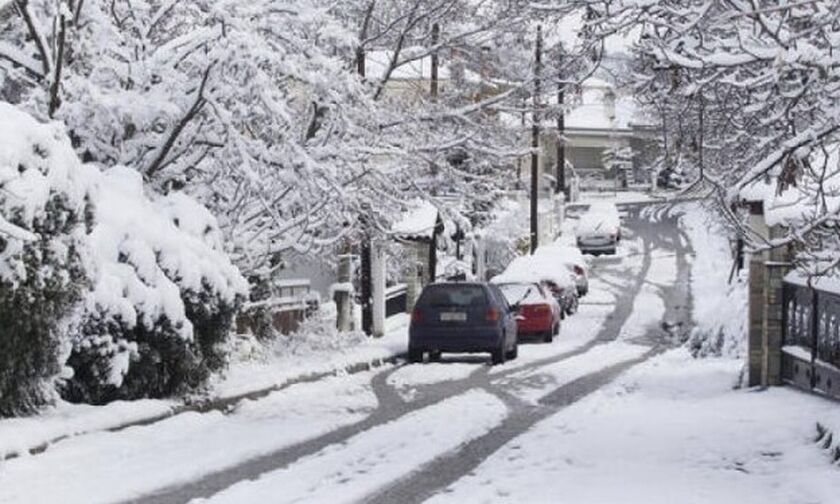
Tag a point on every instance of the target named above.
point(574, 261)
point(539, 314)
point(599, 230)
point(544, 270)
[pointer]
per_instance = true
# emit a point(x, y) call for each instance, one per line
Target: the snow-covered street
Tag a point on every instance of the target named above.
point(614, 410)
point(419, 251)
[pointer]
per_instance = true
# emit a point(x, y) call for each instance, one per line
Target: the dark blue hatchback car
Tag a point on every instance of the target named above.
point(462, 317)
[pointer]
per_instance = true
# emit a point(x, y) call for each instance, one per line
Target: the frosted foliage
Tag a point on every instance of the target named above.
point(258, 111)
point(144, 259)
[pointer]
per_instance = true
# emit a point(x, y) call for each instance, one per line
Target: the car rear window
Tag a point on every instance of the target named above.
point(453, 295)
point(520, 293)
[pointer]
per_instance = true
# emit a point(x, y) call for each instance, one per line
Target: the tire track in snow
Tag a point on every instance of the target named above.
point(374, 458)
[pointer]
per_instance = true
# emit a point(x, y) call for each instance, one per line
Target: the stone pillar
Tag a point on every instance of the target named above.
point(757, 278)
point(378, 288)
point(767, 272)
point(755, 335)
point(775, 269)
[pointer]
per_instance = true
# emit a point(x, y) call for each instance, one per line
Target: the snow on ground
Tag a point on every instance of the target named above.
point(365, 463)
point(575, 332)
point(649, 307)
point(65, 419)
point(249, 375)
point(116, 466)
point(670, 430)
point(533, 385)
point(18, 435)
point(407, 378)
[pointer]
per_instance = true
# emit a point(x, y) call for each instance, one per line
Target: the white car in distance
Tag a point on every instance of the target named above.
point(598, 230)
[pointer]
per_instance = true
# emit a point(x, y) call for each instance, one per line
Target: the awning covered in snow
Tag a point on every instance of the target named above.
point(419, 223)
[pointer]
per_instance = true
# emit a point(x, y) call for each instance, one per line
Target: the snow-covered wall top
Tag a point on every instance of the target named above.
point(826, 283)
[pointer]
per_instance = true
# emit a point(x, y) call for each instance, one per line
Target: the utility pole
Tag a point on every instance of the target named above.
point(366, 252)
point(435, 61)
point(702, 133)
point(561, 131)
point(535, 144)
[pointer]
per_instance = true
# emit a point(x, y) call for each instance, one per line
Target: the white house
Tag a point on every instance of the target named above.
point(598, 121)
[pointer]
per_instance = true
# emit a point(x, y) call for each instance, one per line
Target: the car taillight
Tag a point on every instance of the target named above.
point(578, 270)
point(492, 315)
point(417, 315)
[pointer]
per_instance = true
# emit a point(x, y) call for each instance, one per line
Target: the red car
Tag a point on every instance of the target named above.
point(539, 313)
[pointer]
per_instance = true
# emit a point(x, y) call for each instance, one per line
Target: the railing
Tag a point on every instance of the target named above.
point(811, 339)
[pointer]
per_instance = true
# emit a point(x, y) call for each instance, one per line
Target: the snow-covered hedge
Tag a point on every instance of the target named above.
point(134, 294)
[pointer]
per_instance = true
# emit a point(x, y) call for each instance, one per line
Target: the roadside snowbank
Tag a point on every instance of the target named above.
point(19, 436)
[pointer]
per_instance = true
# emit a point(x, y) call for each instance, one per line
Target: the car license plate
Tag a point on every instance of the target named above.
point(453, 317)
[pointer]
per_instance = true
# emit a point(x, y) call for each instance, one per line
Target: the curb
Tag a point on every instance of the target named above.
point(223, 404)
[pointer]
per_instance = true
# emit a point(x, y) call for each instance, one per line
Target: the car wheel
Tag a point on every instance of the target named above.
point(415, 355)
point(513, 353)
point(556, 330)
point(549, 336)
point(498, 356)
point(435, 356)
point(573, 307)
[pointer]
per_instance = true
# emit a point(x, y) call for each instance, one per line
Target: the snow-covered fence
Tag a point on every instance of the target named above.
point(293, 301)
point(811, 334)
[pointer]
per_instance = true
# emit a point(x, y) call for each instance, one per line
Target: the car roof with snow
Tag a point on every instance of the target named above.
point(564, 253)
point(536, 269)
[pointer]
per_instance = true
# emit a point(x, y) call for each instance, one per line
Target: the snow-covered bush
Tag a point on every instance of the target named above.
point(720, 306)
point(150, 290)
point(42, 277)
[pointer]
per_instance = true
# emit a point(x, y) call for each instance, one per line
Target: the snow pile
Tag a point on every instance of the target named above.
point(146, 279)
point(720, 308)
